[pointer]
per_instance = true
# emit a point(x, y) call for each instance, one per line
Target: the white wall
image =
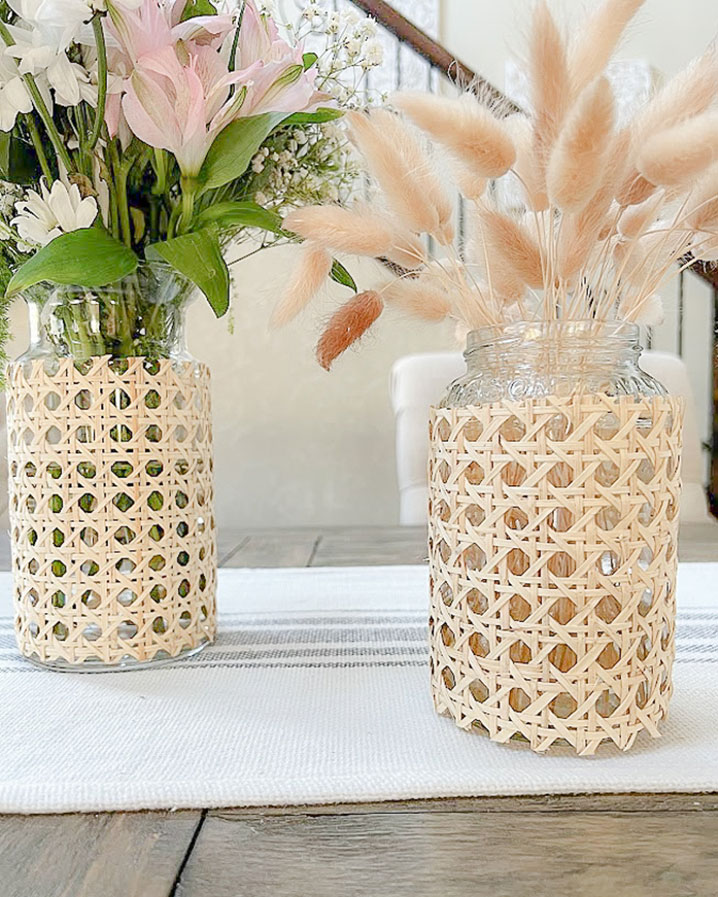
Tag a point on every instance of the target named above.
point(665, 32)
point(296, 445)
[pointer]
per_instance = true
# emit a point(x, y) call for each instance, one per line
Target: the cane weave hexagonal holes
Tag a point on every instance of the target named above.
point(111, 509)
point(552, 541)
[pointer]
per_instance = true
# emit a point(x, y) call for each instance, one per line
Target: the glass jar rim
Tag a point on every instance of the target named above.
point(624, 333)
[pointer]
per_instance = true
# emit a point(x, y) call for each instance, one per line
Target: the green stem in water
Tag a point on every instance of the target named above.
point(120, 173)
point(39, 149)
point(160, 167)
point(189, 193)
point(101, 80)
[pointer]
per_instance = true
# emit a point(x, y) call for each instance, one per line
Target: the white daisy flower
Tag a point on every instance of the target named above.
point(43, 216)
point(14, 96)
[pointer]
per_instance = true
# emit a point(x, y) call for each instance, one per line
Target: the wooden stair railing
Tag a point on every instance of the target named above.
point(442, 60)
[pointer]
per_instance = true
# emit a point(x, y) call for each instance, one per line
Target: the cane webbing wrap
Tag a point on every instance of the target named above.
point(552, 540)
point(111, 509)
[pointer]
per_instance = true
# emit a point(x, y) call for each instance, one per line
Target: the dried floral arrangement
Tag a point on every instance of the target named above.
point(607, 214)
point(134, 130)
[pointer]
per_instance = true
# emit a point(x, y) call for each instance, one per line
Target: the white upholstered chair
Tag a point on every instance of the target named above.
point(417, 381)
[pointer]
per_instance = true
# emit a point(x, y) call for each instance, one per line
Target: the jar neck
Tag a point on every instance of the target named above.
point(141, 315)
point(569, 348)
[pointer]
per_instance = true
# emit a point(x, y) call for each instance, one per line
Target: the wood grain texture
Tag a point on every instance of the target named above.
point(359, 546)
point(453, 854)
point(281, 547)
point(94, 855)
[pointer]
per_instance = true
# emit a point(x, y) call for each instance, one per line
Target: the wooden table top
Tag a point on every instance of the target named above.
point(583, 845)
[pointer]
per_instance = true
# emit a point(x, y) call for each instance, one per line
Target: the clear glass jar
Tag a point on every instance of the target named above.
point(111, 478)
point(141, 315)
point(554, 487)
point(533, 359)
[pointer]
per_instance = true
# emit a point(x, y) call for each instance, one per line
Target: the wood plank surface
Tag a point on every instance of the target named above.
point(94, 855)
point(281, 547)
point(359, 546)
point(453, 854)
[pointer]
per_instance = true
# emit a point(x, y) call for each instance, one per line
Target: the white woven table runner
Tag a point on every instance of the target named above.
point(316, 692)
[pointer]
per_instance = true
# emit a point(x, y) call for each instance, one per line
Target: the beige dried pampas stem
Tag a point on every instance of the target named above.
point(401, 167)
point(597, 40)
point(634, 220)
point(424, 297)
point(509, 240)
point(676, 156)
point(530, 176)
point(579, 156)
point(311, 272)
point(472, 186)
point(358, 231)
point(550, 82)
point(580, 231)
point(467, 129)
point(347, 325)
point(702, 204)
point(687, 94)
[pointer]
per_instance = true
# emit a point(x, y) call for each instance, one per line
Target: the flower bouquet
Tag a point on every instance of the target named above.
point(140, 140)
point(554, 476)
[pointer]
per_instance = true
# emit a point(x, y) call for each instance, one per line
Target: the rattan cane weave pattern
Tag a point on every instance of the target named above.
point(111, 509)
point(552, 541)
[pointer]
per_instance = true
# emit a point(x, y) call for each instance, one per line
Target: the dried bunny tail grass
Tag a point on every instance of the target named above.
point(597, 40)
point(703, 202)
point(471, 309)
point(578, 158)
point(634, 220)
point(550, 81)
point(634, 190)
point(504, 283)
point(676, 156)
point(529, 175)
point(705, 247)
point(648, 311)
point(471, 185)
point(396, 159)
point(610, 227)
point(465, 127)
point(314, 267)
point(347, 325)
point(580, 230)
point(513, 245)
point(423, 298)
point(687, 94)
point(358, 231)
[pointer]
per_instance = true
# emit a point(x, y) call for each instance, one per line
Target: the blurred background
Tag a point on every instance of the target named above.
point(297, 446)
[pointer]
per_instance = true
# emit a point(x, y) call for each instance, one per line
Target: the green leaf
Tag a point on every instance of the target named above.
point(198, 8)
point(340, 274)
point(241, 214)
point(322, 115)
point(230, 154)
point(308, 60)
point(198, 257)
point(88, 258)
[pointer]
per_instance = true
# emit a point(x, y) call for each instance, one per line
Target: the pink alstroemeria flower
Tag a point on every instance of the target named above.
point(176, 83)
point(280, 84)
point(155, 25)
point(150, 29)
point(181, 108)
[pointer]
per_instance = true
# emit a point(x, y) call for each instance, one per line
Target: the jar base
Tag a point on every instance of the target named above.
point(129, 664)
